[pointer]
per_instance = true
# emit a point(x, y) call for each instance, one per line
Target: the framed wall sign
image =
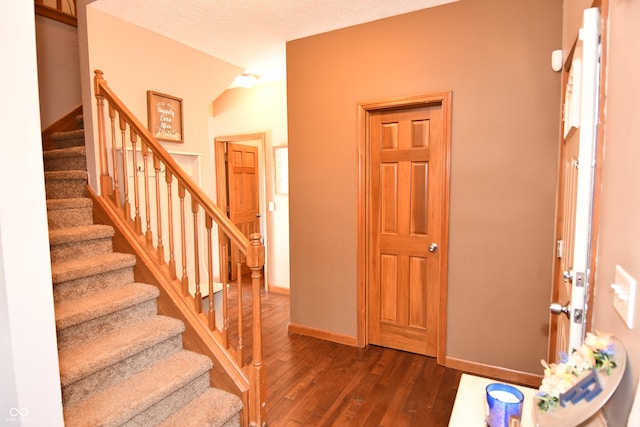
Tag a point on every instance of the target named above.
point(164, 115)
point(281, 169)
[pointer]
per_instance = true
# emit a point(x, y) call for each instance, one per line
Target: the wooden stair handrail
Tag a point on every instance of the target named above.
point(236, 236)
point(117, 197)
point(58, 13)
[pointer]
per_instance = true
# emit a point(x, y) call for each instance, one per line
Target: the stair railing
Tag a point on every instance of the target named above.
point(127, 150)
point(64, 11)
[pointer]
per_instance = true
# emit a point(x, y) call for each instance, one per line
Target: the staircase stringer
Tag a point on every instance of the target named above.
point(226, 373)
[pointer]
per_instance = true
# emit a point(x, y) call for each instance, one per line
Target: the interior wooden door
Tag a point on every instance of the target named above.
point(406, 215)
point(244, 206)
point(566, 240)
point(572, 277)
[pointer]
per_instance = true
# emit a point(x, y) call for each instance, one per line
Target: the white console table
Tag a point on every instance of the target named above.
point(470, 406)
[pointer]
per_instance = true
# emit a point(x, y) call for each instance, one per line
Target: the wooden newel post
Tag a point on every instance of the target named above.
point(106, 184)
point(257, 371)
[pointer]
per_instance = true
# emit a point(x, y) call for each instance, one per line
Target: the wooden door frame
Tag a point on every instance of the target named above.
point(363, 246)
point(220, 143)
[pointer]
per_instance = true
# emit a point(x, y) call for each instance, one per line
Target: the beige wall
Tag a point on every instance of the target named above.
point(495, 58)
point(135, 60)
point(262, 109)
point(619, 239)
point(30, 377)
point(58, 69)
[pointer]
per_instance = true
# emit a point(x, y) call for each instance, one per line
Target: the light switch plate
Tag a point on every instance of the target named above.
point(624, 295)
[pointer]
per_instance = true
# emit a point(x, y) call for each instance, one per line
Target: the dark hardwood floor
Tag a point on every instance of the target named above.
point(312, 382)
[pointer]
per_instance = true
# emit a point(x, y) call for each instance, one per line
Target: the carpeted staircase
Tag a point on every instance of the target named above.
point(120, 362)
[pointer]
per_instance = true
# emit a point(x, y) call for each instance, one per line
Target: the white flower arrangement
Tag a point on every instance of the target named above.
point(597, 352)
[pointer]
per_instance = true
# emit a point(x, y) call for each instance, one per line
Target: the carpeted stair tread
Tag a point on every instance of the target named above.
point(66, 135)
point(80, 246)
point(84, 241)
point(121, 402)
point(64, 152)
point(70, 203)
point(65, 159)
point(65, 175)
point(212, 408)
point(78, 234)
point(69, 270)
point(63, 184)
point(82, 309)
point(120, 362)
point(70, 138)
point(86, 358)
point(69, 212)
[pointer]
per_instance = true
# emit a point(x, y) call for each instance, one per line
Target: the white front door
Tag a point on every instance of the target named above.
point(572, 278)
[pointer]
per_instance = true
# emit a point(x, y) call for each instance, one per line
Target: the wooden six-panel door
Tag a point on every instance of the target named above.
point(406, 214)
point(566, 241)
point(242, 164)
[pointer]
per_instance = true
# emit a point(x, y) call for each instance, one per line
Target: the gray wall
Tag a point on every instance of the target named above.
point(494, 55)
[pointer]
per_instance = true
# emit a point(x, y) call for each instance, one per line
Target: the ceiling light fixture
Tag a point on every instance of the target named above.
point(246, 80)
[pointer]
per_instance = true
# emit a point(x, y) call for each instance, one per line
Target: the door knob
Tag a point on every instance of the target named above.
point(557, 308)
point(433, 247)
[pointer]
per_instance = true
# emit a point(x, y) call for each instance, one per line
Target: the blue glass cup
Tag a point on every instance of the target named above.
point(505, 405)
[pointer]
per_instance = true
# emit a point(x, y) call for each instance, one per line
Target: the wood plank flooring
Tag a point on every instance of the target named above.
point(312, 382)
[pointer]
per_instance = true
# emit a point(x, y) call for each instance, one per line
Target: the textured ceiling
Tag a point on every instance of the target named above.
point(252, 33)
